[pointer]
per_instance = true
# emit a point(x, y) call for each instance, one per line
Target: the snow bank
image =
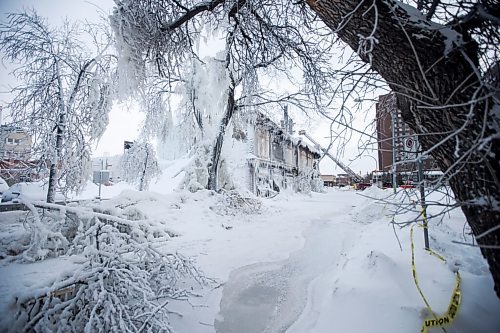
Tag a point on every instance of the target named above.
point(91, 191)
point(172, 175)
point(169, 180)
point(372, 289)
point(331, 260)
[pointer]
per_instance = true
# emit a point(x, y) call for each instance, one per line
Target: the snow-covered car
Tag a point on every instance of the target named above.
point(36, 191)
point(3, 186)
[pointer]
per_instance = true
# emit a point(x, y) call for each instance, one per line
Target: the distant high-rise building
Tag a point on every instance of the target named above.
point(405, 141)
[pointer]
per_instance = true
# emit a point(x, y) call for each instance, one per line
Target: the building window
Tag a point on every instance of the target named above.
point(13, 141)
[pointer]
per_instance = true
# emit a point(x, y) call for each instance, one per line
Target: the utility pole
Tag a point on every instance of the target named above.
point(422, 202)
point(141, 185)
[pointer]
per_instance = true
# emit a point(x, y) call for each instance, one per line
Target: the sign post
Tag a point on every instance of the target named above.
point(422, 202)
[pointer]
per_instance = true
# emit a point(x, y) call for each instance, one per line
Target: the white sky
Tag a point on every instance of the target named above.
point(125, 121)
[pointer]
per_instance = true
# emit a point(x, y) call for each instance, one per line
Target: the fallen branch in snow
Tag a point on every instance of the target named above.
point(124, 283)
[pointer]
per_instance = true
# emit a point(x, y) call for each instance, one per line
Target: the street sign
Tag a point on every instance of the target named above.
point(409, 143)
point(409, 149)
point(101, 177)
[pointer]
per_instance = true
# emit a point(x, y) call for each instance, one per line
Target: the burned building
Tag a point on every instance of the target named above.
point(278, 160)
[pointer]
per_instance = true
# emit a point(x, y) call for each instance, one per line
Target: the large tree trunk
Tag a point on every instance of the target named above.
point(213, 168)
point(143, 175)
point(54, 164)
point(441, 97)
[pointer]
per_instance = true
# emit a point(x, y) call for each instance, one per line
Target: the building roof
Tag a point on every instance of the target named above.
point(266, 122)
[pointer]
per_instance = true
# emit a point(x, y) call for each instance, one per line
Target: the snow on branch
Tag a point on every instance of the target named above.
point(122, 281)
point(64, 95)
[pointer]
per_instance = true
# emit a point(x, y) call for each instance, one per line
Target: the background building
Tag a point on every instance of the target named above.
point(342, 179)
point(403, 149)
point(16, 164)
point(278, 159)
point(15, 143)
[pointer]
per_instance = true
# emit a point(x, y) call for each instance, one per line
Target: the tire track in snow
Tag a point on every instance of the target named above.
point(269, 297)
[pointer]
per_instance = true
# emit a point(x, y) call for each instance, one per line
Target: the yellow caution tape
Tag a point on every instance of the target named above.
point(449, 316)
point(424, 218)
point(456, 296)
point(437, 255)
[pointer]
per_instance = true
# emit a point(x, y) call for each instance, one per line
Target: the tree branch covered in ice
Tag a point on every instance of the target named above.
point(165, 39)
point(166, 35)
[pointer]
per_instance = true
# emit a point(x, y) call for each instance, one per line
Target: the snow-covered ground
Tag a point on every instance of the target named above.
point(300, 263)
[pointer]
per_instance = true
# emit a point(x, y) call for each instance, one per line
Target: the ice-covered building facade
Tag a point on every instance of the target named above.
point(275, 159)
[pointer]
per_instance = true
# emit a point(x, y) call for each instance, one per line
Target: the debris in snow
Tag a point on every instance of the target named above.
point(234, 203)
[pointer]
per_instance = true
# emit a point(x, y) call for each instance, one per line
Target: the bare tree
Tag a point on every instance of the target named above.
point(64, 94)
point(435, 55)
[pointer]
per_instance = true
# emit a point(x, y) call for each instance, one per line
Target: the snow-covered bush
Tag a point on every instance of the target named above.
point(308, 181)
point(317, 184)
point(225, 177)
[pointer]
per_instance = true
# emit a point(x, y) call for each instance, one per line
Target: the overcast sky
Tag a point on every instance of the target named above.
point(125, 121)
point(55, 11)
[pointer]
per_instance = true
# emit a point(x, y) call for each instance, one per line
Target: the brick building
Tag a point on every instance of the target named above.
point(406, 145)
